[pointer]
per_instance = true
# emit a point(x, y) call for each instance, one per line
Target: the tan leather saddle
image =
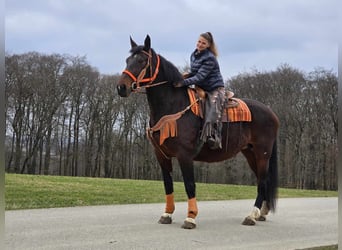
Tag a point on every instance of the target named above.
point(230, 103)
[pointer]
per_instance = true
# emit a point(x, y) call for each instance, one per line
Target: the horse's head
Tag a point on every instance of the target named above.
point(139, 68)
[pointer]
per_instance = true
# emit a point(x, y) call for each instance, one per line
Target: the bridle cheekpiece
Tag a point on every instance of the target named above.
point(140, 78)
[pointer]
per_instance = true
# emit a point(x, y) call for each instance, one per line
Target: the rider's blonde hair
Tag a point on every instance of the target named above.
point(212, 46)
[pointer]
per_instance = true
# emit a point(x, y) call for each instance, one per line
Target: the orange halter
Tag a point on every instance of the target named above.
point(140, 79)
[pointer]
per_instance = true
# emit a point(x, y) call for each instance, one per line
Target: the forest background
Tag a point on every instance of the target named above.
point(63, 117)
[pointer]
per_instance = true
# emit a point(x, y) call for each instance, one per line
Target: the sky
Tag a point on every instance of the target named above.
point(250, 34)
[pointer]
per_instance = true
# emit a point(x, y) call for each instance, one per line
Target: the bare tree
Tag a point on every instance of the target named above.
point(306, 106)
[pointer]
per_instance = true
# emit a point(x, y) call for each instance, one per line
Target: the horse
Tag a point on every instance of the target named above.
point(256, 140)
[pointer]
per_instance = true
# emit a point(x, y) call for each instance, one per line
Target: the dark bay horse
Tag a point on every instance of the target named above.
point(256, 139)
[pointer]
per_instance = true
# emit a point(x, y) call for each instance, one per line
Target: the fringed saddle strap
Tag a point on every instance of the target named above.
point(167, 120)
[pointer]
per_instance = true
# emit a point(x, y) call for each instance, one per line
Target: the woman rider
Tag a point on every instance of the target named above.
point(205, 73)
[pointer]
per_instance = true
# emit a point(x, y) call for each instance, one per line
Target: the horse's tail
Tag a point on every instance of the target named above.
point(272, 178)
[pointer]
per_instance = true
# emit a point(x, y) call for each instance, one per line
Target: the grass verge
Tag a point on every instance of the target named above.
point(36, 191)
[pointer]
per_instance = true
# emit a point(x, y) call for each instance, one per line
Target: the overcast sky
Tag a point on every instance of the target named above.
point(250, 34)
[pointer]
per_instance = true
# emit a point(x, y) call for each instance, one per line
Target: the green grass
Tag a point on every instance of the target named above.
point(36, 191)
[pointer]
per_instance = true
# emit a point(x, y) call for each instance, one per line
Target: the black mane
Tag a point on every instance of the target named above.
point(171, 72)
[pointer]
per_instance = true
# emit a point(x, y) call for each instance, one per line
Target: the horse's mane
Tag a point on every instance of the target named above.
point(171, 72)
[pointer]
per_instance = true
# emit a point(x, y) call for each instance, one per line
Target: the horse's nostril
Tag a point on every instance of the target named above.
point(121, 90)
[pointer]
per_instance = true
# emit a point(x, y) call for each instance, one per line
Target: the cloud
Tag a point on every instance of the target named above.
point(248, 33)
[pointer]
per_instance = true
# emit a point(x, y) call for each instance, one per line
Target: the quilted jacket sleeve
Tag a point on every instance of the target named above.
point(203, 72)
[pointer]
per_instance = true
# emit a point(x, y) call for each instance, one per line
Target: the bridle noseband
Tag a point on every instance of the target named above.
point(140, 79)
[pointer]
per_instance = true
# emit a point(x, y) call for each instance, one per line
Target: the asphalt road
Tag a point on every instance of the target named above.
point(298, 223)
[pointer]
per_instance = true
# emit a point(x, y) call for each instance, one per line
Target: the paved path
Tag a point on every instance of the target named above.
point(298, 223)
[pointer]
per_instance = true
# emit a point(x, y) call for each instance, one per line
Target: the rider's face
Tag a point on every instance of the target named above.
point(202, 44)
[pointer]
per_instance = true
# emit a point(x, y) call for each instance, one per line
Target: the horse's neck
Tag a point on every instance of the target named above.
point(165, 100)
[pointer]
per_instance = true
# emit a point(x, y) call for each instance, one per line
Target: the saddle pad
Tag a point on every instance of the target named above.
point(240, 113)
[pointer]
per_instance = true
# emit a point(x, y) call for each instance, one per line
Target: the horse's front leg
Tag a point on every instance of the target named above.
point(166, 166)
point(187, 168)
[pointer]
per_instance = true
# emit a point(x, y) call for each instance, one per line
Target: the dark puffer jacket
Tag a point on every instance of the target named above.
point(205, 71)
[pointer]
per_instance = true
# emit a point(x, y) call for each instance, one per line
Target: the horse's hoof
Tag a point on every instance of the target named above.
point(261, 218)
point(165, 220)
point(189, 223)
point(249, 221)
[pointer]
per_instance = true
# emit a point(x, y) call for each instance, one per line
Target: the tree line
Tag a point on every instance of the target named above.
point(63, 117)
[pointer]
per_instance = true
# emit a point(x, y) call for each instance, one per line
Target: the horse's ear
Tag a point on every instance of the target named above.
point(147, 44)
point(133, 44)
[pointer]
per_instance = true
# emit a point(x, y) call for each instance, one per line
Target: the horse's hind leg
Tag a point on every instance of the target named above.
point(263, 211)
point(258, 161)
point(267, 180)
point(166, 166)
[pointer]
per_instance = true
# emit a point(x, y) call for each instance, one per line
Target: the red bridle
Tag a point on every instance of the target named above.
point(140, 78)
